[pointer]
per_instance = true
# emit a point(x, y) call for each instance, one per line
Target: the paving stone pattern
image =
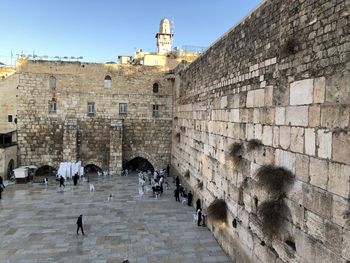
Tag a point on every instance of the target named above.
point(39, 224)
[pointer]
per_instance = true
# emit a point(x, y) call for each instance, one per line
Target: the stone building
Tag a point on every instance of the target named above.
point(8, 119)
point(261, 126)
point(98, 113)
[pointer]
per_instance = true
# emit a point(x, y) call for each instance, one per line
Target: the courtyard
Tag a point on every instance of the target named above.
point(38, 224)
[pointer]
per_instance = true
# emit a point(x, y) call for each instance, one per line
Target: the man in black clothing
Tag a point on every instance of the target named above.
point(80, 224)
point(199, 217)
point(189, 198)
point(76, 178)
point(198, 204)
point(177, 181)
point(177, 194)
point(62, 181)
point(2, 186)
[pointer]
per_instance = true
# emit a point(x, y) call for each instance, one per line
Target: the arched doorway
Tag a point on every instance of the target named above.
point(10, 168)
point(138, 163)
point(45, 171)
point(92, 170)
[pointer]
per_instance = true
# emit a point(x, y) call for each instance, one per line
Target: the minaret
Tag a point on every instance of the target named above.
point(164, 37)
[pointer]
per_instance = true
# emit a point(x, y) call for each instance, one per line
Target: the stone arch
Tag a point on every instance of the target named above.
point(139, 163)
point(144, 155)
point(10, 167)
point(92, 168)
point(46, 170)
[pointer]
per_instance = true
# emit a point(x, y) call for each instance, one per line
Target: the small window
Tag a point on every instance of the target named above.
point(108, 82)
point(52, 82)
point(123, 110)
point(91, 107)
point(155, 87)
point(52, 106)
point(9, 118)
point(155, 112)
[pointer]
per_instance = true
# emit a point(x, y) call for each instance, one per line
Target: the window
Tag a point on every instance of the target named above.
point(108, 82)
point(155, 112)
point(123, 109)
point(155, 87)
point(91, 108)
point(52, 106)
point(9, 118)
point(52, 82)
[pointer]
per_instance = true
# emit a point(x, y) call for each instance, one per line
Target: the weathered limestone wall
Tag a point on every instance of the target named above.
point(282, 77)
point(6, 155)
point(8, 91)
point(73, 134)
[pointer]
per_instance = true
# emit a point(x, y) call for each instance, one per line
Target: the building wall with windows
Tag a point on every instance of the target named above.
point(8, 102)
point(65, 111)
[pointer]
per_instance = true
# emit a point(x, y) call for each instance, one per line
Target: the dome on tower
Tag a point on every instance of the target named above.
point(165, 26)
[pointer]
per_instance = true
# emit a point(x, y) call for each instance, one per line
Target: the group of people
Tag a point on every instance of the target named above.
point(156, 182)
point(180, 191)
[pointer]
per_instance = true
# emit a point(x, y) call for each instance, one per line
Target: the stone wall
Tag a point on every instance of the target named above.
point(8, 102)
point(6, 155)
point(71, 133)
point(281, 76)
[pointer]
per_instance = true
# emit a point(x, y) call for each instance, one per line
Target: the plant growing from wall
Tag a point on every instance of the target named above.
point(236, 151)
point(276, 180)
point(241, 188)
point(187, 174)
point(200, 185)
point(254, 144)
point(290, 47)
point(178, 136)
point(273, 215)
point(217, 210)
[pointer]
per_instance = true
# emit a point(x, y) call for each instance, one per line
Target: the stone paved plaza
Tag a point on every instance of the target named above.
point(39, 224)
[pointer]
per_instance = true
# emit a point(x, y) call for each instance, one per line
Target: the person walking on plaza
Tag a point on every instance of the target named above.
point(177, 194)
point(189, 198)
point(76, 178)
point(62, 182)
point(80, 225)
point(177, 181)
point(198, 204)
point(199, 217)
point(2, 186)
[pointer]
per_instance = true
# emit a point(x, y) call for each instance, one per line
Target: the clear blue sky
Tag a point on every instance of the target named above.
point(100, 30)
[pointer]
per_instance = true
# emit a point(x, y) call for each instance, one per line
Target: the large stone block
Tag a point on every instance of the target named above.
point(280, 115)
point(314, 224)
point(301, 92)
point(284, 137)
point(341, 147)
point(318, 201)
point(297, 116)
point(302, 163)
point(319, 90)
point(346, 245)
point(318, 172)
point(314, 116)
point(267, 135)
point(285, 159)
point(333, 237)
point(324, 143)
point(297, 139)
point(339, 179)
point(310, 142)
